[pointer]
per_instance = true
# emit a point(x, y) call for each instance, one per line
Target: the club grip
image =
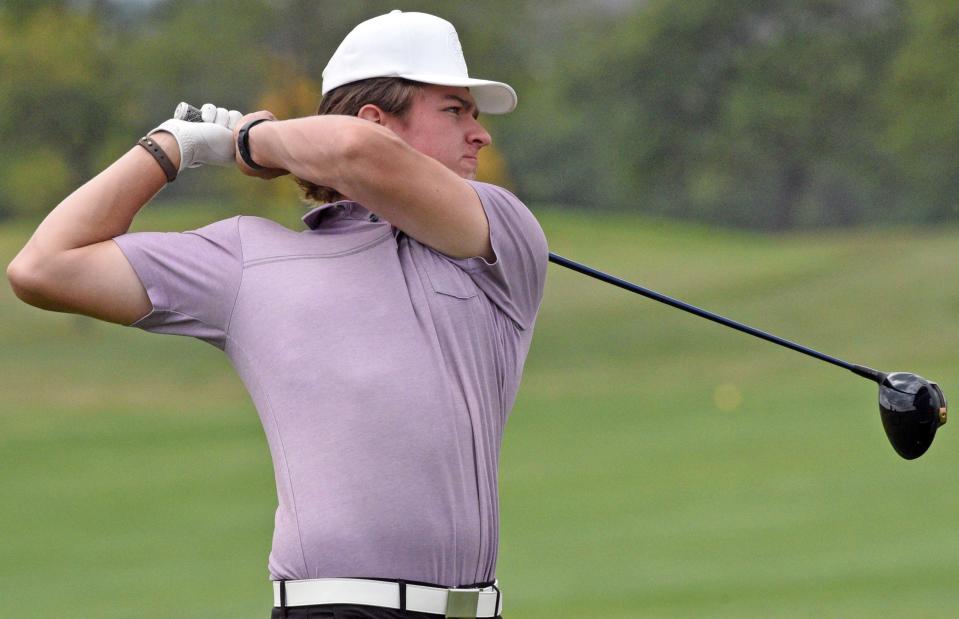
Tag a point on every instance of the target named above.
point(185, 111)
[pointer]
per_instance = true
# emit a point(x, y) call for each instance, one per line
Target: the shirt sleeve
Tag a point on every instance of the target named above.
point(515, 280)
point(192, 278)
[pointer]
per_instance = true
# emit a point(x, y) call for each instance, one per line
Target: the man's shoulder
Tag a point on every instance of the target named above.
point(242, 233)
point(253, 224)
point(483, 188)
point(264, 239)
point(505, 210)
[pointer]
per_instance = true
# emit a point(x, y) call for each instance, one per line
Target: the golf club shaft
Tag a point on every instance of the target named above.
point(860, 370)
point(185, 111)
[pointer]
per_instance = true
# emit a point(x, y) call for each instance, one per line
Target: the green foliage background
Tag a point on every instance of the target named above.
point(135, 478)
point(773, 115)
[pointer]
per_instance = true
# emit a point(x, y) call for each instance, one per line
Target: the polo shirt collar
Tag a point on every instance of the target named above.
point(344, 209)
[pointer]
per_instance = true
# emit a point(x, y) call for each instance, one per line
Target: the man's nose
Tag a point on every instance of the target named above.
point(478, 135)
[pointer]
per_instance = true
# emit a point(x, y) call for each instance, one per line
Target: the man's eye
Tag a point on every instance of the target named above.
point(454, 108)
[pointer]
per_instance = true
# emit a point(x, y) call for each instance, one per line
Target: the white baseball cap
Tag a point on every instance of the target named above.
point(415, 46)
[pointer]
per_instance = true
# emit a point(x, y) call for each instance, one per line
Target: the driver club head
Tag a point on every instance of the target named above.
point(912, 409)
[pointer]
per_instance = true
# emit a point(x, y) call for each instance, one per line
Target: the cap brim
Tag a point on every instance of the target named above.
point(491, 97)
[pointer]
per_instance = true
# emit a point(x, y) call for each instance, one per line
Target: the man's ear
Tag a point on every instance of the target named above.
point(373, 113)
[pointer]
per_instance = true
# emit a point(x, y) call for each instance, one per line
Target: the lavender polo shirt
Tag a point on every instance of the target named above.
point(382, 370)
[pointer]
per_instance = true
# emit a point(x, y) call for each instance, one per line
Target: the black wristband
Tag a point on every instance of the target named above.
point(243, 143)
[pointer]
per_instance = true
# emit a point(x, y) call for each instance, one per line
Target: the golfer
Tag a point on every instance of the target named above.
point(382, 345)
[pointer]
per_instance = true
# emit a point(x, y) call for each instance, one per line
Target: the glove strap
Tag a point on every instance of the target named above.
point(154, 149)
point(243, 143)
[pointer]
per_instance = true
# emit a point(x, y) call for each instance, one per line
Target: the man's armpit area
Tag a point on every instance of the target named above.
point(129, 295)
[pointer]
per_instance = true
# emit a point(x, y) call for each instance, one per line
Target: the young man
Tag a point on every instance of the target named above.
point(383, 346)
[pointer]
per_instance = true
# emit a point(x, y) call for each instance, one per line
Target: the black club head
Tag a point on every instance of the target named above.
point(912, 409)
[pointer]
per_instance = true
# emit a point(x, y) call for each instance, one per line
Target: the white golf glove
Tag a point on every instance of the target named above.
point(208, 142)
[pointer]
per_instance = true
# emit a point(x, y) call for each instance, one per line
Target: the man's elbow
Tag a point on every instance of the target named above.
point(25, 281)
point(17, 278)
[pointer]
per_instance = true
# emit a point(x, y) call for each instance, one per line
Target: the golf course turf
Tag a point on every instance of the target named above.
point(655, 464)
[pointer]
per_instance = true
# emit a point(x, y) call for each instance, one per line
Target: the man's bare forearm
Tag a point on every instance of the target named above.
point(312, 148)
point(371, 164)
point(105, 206)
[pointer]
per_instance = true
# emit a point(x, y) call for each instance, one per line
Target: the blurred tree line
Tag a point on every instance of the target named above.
point(769, 115)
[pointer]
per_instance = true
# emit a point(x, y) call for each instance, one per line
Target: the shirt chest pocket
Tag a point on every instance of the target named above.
point(449, 280)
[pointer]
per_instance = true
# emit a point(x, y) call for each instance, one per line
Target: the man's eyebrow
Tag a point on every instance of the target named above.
point(467, 105)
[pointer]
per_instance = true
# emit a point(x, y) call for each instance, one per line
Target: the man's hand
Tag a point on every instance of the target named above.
point(208, 142)
point(264, 173)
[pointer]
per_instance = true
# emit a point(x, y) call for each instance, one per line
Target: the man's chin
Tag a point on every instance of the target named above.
point(466, 171)
point(469, 175)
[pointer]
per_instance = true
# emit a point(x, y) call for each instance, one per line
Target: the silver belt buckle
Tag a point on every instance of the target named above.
point(462, 603)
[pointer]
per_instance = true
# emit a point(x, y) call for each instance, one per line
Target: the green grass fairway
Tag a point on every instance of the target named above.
point(655, 465)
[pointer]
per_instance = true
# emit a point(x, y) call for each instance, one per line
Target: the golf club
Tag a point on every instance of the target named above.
point(911, 407)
